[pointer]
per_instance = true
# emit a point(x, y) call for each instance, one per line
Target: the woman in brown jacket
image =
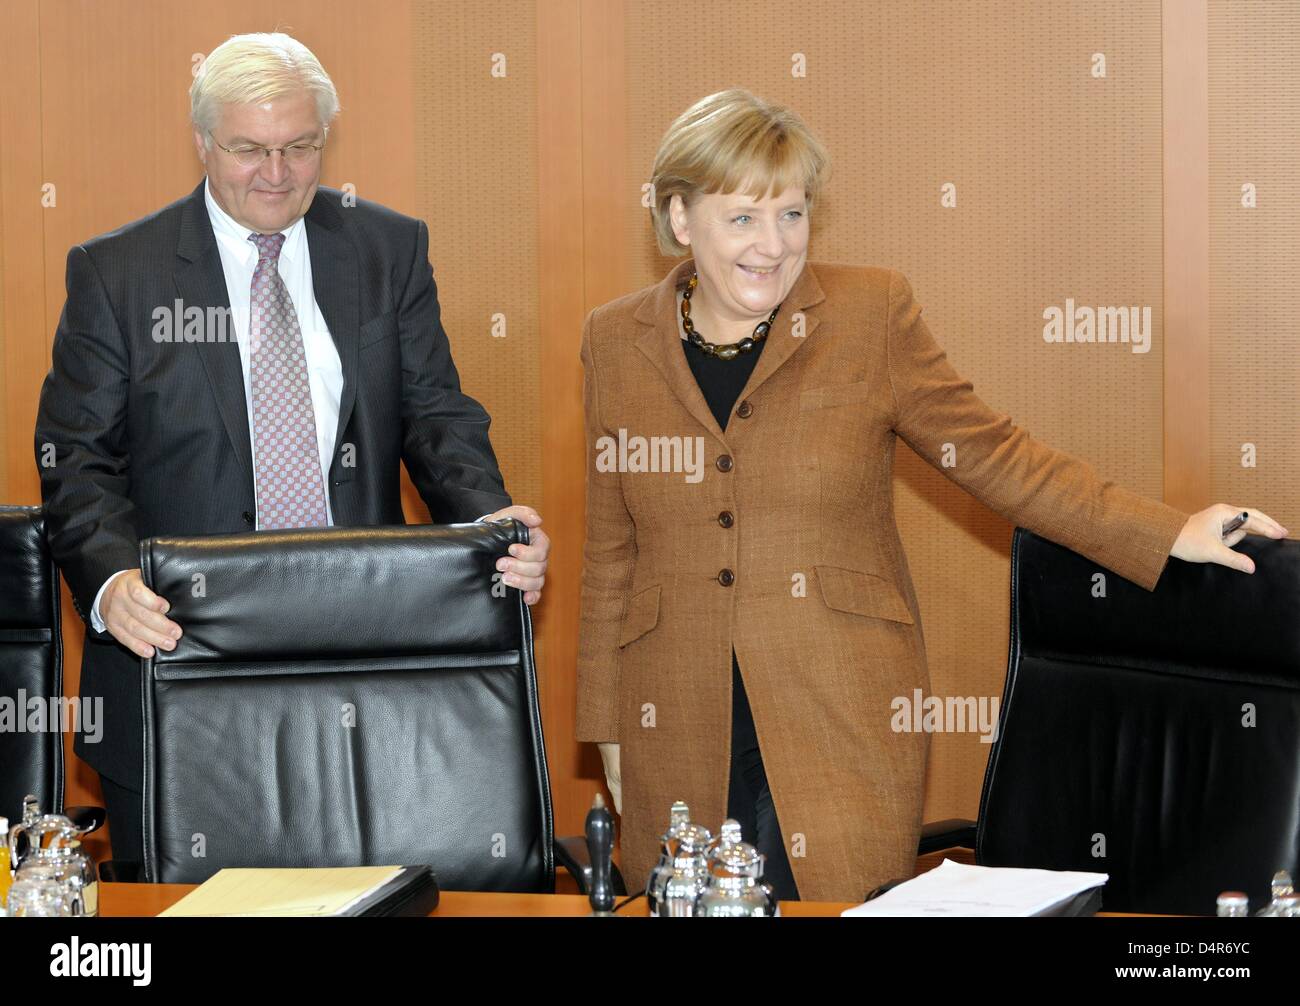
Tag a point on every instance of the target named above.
point(747, 612)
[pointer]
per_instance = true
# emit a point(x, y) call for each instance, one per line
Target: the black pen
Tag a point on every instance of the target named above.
point(1235, 523)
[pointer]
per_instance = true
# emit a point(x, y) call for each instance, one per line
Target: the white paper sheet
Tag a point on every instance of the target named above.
point(957, 889)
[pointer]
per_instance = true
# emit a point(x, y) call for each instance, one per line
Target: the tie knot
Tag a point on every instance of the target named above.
point(268, 245)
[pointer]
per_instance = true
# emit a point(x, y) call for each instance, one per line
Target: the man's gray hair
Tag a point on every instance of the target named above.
point(249, 69)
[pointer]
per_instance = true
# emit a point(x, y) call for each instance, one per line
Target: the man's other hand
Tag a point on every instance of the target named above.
point(525, 567)
point(136, 616)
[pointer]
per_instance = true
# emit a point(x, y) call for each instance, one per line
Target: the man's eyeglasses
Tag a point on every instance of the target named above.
point(251, 154)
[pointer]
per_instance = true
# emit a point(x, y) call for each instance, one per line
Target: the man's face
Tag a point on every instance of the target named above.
point(268, 196)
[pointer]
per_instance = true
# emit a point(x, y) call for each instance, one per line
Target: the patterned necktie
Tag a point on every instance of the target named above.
point(290, 490)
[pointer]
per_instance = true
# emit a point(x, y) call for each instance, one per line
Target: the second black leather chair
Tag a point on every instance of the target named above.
point(31, 664)
point(1150, 736)
point(31, 674)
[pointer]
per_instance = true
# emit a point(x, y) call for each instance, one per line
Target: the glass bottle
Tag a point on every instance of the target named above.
point(1280, 888)
point(680, 818)
point(1232, 904)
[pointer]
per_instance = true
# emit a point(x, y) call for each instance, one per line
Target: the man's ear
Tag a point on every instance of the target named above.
point(200, 147)
point(677, 217)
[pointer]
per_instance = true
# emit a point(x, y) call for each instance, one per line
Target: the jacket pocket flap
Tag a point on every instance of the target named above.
point(641, 616)
point(861, 593)
point(376, 330)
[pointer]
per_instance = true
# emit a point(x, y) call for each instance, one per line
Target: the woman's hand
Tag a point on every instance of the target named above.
point(609, 755)
point(1201, 539)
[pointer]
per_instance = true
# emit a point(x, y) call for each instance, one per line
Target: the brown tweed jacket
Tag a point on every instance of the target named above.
point(806, 577)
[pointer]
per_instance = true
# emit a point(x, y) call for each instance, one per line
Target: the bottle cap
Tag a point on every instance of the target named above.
point(680, 819)
point(1281, 884)
point(730, 833)
point(693, 839)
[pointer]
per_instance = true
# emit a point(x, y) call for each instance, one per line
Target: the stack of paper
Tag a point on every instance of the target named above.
point(957, 889)
point(322, 891)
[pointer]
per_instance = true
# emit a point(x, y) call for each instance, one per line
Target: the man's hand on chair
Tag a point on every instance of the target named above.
point(525, 567)
point(136, 616)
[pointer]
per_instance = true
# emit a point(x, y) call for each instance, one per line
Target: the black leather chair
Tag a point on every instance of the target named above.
point(31, 661)
point(31, 667)
point(1152, 736)
point(348, 696)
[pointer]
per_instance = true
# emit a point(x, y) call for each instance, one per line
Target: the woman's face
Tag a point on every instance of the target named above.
point(748, 252)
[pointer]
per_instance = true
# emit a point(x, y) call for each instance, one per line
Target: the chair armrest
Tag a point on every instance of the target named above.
point(88, 819)
point(571, 853)
point(953, 833)
point(884, 888)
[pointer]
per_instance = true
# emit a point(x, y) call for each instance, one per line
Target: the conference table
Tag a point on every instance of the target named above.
point(117, 900)
point(150, 899)
point(122, 900)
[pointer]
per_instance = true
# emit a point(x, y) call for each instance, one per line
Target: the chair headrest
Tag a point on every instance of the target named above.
point(26, 579)
point(1201, 616)
point(278, 595)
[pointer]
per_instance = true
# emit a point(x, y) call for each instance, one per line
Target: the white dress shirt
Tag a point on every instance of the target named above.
point(324, 369)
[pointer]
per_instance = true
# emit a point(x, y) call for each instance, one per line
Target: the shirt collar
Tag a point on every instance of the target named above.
point(234, 235)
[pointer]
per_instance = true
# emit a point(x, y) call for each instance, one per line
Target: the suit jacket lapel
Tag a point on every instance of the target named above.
point(785, 338)
point(334, 278)
point(661, 342)
point(201, 281)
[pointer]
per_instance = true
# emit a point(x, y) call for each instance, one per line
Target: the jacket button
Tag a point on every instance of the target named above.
point(248, 517)
point(726, 519)
point(745, 410)
point(726, 578)
point(725, 463)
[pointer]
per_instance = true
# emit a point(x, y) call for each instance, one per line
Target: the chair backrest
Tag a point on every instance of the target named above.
point(31, 666)
point(342, 697)
point(1153, 736)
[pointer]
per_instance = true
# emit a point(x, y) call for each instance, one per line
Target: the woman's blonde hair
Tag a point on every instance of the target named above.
point(255, 68)
point(727, 140)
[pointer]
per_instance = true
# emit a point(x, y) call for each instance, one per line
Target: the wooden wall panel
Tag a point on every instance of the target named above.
point(476, 143)
point(561, 241)
point(23, 350)
point(1187, 252)
point(1252, 443)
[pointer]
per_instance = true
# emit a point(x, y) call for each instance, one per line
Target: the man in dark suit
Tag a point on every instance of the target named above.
point(260, 354)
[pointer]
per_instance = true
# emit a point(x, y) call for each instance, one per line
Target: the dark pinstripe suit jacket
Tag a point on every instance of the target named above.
point(138, 437)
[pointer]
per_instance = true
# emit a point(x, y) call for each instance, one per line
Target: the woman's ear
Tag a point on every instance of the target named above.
point(677, 217)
